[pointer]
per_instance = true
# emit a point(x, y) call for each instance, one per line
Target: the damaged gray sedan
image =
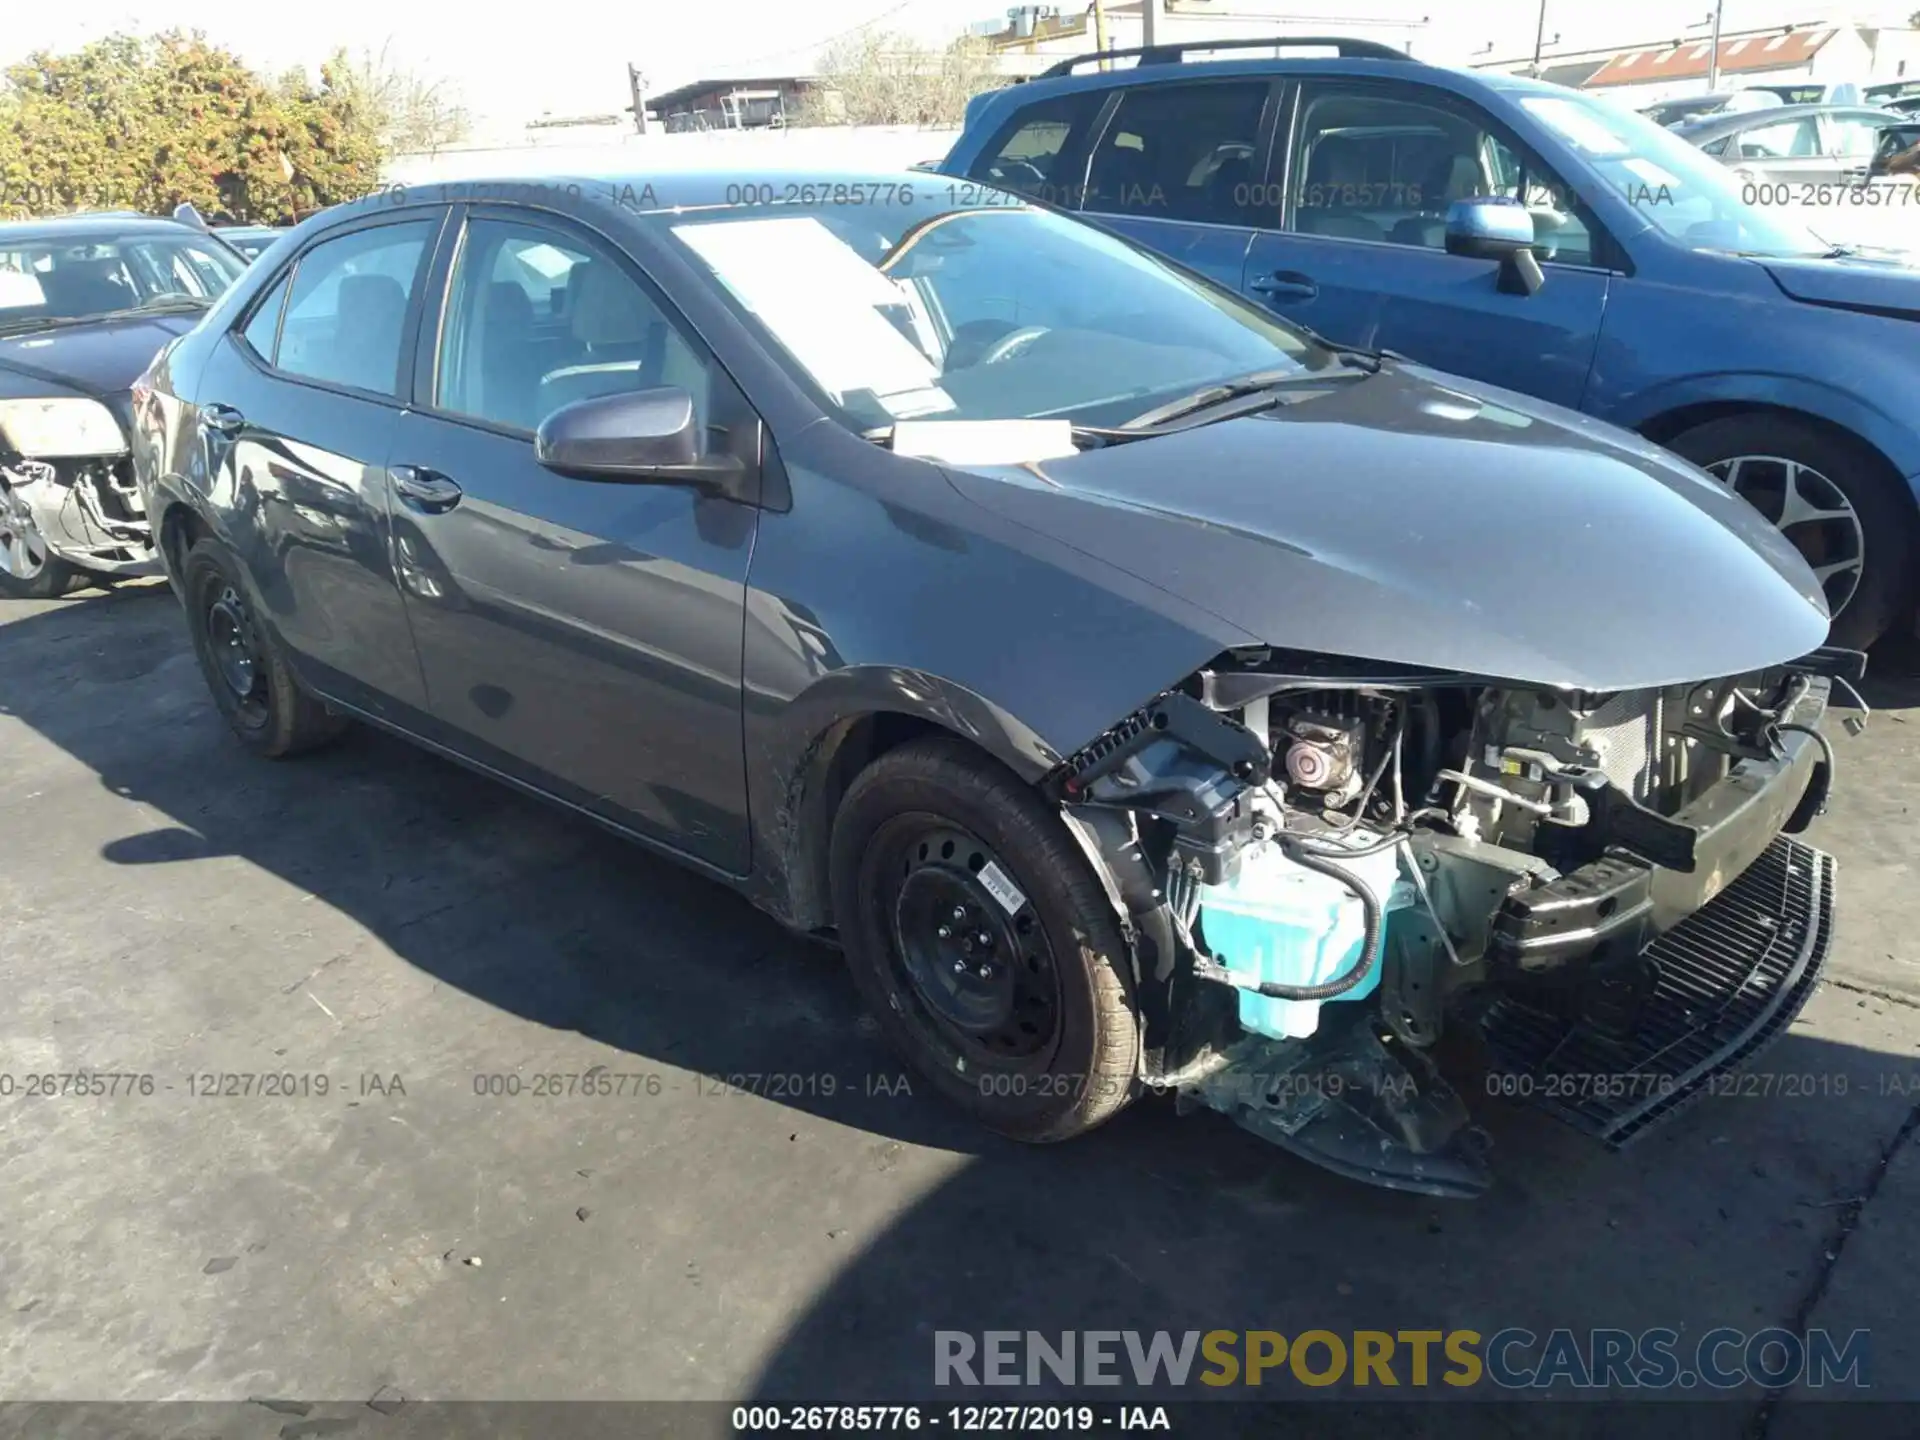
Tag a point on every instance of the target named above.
point(1148, 696)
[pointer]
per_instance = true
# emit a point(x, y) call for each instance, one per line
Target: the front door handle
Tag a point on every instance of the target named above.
point(1285, 285)
point(222, 419)
point(424, 489)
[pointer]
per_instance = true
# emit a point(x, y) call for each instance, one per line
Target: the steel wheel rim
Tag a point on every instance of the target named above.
point(234, 649)
point(23, 554)
point(992, 1006)
point(1811, 511)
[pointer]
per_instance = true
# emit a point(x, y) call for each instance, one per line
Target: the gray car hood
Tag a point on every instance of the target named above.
point(1416, 518)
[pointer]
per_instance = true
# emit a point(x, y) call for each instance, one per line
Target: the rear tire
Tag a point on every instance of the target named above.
point(251, 682)
point(1034, 1033)
point(1869, 552)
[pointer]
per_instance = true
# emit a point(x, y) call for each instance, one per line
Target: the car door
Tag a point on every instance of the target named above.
point(582, 636)
point(1850, 138)
point(1355, 246)
point(1173, 165)
point(296, 409)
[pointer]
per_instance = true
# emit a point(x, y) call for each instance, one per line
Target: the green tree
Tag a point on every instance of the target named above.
point(133, 123)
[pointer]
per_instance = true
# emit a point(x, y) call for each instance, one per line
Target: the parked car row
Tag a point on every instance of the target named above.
point(1055, 583)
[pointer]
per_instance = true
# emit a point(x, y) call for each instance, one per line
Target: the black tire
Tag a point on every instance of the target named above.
point(1884, 589)
point(271, 714)
point(50, 582)
point(1065, 1057)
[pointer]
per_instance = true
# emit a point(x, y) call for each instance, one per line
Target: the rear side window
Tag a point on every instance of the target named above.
point(1179, 152)
point(1028, 155)
point(264, 328)
point(347, 310)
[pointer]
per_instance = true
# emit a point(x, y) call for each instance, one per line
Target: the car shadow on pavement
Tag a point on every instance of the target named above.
point(1154, 1222)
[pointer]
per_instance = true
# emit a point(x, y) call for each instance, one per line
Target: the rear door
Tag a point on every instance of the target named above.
point(1789, 151)
point(1174, 165)
point(1354, 245)
point(583, 636)
point(296, 409)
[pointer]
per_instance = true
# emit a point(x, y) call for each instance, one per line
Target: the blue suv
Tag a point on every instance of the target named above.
point(1520, 233)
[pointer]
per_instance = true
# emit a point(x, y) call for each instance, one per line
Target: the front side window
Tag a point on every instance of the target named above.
point(1782, 140)
point(346, 314)
point(1377, 164)
point(942, 308)
point(1179, 152)
point(538, 320)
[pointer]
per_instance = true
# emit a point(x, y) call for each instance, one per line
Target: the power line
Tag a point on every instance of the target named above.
point(887, 14)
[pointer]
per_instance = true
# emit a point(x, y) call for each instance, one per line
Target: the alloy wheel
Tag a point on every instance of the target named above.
point(1810, 510)
point(23, 554)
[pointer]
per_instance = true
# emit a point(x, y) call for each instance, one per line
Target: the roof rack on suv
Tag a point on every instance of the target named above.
point(1176, 54)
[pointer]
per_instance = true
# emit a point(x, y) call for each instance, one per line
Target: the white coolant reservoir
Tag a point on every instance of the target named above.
point(1278, 922)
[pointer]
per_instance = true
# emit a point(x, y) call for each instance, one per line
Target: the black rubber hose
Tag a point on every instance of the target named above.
point(1369, 949)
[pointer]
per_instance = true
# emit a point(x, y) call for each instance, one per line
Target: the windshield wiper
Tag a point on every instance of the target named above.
point(161, 305)
point(1357, 362)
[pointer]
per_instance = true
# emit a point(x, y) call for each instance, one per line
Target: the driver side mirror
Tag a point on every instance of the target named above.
point(638, 437)
point(1489, 228)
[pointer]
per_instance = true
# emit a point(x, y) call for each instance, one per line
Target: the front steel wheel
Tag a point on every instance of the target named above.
point(982, 942)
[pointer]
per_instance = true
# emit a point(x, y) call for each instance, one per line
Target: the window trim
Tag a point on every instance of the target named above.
point(1075, 152)
point(251, 310)
point(1610, 257)
point(1271, 109)
point(426, 360)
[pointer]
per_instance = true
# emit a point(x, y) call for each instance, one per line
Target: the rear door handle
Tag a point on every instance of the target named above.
point(1285, 285)
point(222, 419)
point(424, 489)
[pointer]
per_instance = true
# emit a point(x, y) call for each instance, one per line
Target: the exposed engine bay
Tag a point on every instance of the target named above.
point(1329, 871)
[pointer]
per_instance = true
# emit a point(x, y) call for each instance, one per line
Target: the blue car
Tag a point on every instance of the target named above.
point(1520, 233)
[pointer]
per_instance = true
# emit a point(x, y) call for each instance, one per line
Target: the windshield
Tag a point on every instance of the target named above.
point(992, 310)
point(54, 278)
point(1681, 191)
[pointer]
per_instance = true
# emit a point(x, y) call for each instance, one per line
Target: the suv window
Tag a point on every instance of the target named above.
point(538, 320)
point(347, 311)
point(1026, 155)
point(1179, 152)
point(1372, 164)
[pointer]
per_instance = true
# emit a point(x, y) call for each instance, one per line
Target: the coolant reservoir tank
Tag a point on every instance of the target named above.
point(1277, 922)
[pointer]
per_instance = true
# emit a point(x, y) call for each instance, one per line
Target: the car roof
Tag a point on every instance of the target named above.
point(1711, 126)
point(72, 227)
point(741, 186)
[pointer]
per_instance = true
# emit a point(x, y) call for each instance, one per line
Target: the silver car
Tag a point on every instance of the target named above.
point(1803, 146)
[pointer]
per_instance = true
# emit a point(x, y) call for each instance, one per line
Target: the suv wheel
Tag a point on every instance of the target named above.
point(982, 942)
point(1832, 498)
point(251, 682)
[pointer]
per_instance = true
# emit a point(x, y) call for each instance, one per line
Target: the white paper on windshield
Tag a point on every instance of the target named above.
point(19, 289)
point(821, 298)
point(984, 442)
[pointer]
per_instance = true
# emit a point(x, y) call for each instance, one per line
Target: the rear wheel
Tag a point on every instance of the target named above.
point(1836, 501)
point(982, 942)
point(250, 680)
point(28, 570)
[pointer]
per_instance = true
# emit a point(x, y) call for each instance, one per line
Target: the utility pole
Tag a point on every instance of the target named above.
point(1100, 29)
point(1713, 53)
point(637, 84)
point(1150, 18)
point(1539, 38)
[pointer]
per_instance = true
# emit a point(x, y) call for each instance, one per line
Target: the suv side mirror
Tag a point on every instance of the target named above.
point(639, 437)
point(1491, 228)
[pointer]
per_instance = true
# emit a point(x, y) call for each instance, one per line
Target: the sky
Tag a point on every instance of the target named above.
point(510, 62)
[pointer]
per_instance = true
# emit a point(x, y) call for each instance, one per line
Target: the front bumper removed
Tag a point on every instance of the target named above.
point(1720, 987)
point(90, 516)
